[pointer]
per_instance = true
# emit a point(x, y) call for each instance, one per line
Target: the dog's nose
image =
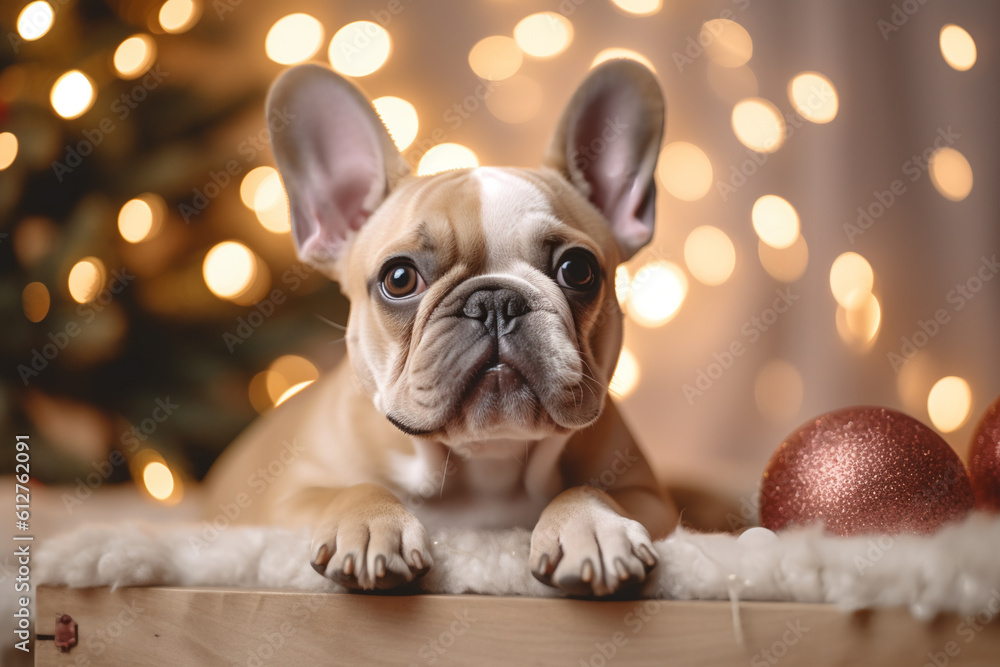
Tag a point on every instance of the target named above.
point(497, 309)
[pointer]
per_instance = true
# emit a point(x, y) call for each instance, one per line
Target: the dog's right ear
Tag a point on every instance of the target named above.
point(336, 159)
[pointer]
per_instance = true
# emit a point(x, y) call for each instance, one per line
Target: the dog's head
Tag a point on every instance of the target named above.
point(482, 300)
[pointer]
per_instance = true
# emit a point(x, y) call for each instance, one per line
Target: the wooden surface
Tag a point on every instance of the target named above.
point(186, 626)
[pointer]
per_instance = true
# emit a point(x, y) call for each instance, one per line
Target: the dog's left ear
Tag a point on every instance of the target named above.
point(607, 143)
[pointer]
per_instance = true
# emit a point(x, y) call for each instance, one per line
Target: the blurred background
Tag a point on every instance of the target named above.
point(827, 213)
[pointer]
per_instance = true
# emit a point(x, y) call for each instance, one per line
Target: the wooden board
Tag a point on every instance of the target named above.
point(187, 626)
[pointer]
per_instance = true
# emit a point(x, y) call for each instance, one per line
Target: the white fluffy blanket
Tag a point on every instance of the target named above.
point(957, 569)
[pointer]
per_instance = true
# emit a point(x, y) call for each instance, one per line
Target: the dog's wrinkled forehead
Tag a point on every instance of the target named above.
point(488, 219)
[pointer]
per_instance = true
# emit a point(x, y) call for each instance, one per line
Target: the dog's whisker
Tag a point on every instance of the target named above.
point(331, 323)
point(444, 473)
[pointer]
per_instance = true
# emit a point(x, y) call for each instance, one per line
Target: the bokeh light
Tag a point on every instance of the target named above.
point(445, 157)
point(35, 20)
point(726, 42)
point(158, 479)
point(544, 35)
point(685, 171)
point(951, 173)
point(229, 269)
point(949, 403)
point(758, 125)
point(139, 219)
point(134, 56)
point(270, 204)
point(731, 84)
point(850, 273)
point(35, 301)
point(286, 372)
point(957, 47)
point(775, 221)
point(778, 391)
point(785, 264)
point(639, 7)
point(359, 48)
point(86, 279)
point(252, 180)
point(626, 376)
point(177, 16)
point(399, 118)
point(623, 283)
point(858, 322)
point(72, 94)
point(814, 97)
point(519, 99)
point(293, 39)
point(495, 58)
point(291, 391)
point(617, 53)
point(710, 255)
point(8, 149)
point(657, 293)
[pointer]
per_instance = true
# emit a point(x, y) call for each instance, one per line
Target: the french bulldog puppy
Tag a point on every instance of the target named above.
point(483, 332)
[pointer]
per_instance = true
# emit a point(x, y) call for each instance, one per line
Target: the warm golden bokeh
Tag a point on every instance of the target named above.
point(639, 7)
point(850, 273)
point(359, 48)
point(685, 171)
point(626, 376)
point(616, 52)
point(86, 279)
point(496, 58)
point(445, 157)
point(544, 35)
point(710, 255)
point(177, 16)
point(35, 20)
point(775, 220)
point(758, 125)
point(957, 47)
point(8, 149)
point(72, 94)
point(400, 118)
point(229, 269)
point(293, 39)
point(951, 173)
point(949, 403)
point(727, 43)
point(35, 301)
point(657, 293)
point(134, 56)
point(814, 97)
point(158, 479)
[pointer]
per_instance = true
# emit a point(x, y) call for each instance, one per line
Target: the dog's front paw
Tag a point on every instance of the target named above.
point(368, 540)
point(584, 547)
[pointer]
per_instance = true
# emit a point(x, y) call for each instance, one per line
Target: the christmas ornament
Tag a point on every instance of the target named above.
point(984, 459)
point(864, 470)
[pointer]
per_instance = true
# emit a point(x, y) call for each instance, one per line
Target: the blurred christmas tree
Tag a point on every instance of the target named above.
point(153, 301)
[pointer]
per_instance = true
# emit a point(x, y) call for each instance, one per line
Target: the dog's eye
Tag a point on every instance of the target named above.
point(578, 270)
point(402, 280)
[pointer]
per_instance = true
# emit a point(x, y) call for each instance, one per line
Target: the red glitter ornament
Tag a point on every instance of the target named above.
point(864, 470)
point(984, 460)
